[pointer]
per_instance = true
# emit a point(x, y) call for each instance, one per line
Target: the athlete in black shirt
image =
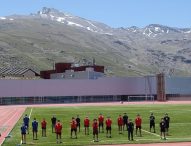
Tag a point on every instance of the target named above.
point(125, 121)
point(162, 128)
point(53, 120)
point(167, 121)
point(130, 128)
point(152, 122)
point(78, 122)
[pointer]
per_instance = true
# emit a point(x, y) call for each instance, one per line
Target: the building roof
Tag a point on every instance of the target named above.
point(15, 71)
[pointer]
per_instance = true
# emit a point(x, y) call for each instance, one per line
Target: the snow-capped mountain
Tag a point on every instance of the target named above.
point(37, 40)
point(71, 20)
point(154, 30)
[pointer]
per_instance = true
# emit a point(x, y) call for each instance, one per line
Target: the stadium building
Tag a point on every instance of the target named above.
point(67, 84)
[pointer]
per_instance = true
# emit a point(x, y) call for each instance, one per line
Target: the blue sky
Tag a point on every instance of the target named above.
point(115, 13)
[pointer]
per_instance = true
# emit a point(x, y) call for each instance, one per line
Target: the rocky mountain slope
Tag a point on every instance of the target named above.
point(39, 40)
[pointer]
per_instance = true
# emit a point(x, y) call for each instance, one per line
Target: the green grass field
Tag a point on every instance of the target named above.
point(179, 126)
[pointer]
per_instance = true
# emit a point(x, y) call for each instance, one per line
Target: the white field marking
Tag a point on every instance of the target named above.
point(29, 118)
point(30, 113)
point(151, 133)
point(179, 123)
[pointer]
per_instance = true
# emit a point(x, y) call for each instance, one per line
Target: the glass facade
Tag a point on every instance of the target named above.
point(57, 99)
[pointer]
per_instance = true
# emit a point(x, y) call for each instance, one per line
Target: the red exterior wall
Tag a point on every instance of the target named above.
point(46, 73)
point(62, 67)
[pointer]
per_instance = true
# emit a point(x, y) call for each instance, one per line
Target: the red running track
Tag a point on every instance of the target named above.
point(11, 114)
point(9, 117)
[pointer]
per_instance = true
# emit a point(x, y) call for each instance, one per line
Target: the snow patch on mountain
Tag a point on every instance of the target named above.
point(88, 28)
point(76, 24)
point(147, 32)
point(3, 18)
point(69, 16)
point(108, 33)
point(157, 28)
point(52, 17)
point(44, 15)
point(188, 31)
point(91, 24)
point(60, 19)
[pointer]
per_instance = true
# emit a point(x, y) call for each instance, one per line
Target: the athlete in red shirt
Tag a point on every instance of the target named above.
point(120, 124)
point(58, 130)
point(73, 124)
point(108, 123)
point(43, 126)
point(86, 125)
point(138, 122)
point(101, 122)
point(95, 130)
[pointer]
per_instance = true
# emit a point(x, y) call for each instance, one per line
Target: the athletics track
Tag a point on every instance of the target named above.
point(11, 114)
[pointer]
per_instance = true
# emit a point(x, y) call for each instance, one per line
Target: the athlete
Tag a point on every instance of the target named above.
point(108, 123)
point(26, 122)
point(86, 125)
point(78, 122)
point(43, 126)
point(120, 124)
point(167, 121)
point(35, 129)
point(73, 124)
point(101, 122)
point(138, 122)
point(53, 120)
point(23, 133)
point(130, 129)
point(125, 121)
point(95, 130)
point(162, 128)
point(152, 122)
point(58, 130)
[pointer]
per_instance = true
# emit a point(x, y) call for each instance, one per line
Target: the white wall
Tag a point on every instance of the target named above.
point(76, 87)
point(178, 85)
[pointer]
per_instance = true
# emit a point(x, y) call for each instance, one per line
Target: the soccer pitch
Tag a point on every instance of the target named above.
point(179, 125)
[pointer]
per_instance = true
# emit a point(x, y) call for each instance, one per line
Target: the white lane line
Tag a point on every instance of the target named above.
point(30, 113)
point(29, 118)
point(151, 133)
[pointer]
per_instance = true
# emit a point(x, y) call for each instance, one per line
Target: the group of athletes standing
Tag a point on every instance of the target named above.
point(124, 124)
